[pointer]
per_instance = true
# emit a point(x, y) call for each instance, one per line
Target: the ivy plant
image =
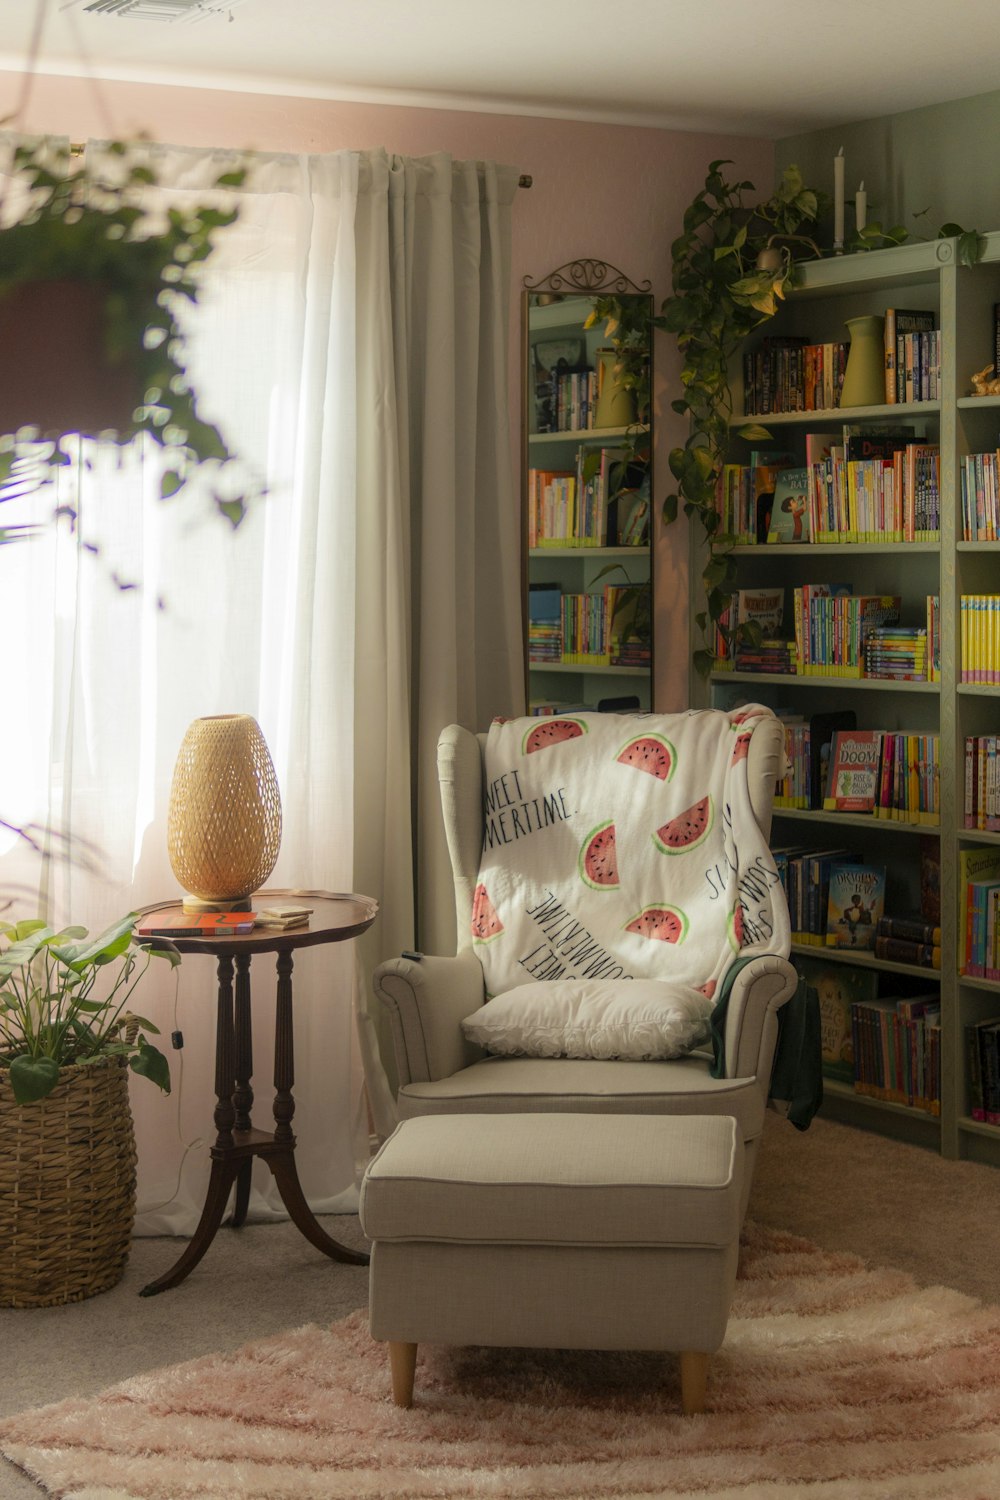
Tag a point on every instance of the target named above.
point(93, 224)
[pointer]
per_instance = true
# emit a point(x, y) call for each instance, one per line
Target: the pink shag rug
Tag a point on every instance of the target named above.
point(836, 1382)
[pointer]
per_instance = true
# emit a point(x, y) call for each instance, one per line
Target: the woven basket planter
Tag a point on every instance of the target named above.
point(67, 1187)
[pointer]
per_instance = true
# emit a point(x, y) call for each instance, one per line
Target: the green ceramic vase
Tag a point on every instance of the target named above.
point(864, 378)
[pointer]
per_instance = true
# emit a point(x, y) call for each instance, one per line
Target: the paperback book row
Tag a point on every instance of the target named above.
point(890, 774)
point(836, 901)
point(982, 782)
point(792, 374)
point(582, 629)
point(566, 400)
point(865, 488)
point(980, 497)
point(979, 616)
point(586, 506)
point(887, 1048)
point(979, 913)
point(982, 1052)
point(840, 634)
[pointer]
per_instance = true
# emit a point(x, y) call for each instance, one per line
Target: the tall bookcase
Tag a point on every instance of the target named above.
point(919, 276)
point(554, 313)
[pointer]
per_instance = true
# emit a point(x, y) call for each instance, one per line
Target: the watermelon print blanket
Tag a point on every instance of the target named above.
point(623, 847)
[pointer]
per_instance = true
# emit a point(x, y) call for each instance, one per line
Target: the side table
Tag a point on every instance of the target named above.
point(334, 919)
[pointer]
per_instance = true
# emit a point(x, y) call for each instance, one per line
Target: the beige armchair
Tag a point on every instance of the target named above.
point(428, 997)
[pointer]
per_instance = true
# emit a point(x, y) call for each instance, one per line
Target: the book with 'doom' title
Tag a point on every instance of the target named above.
point(854, 763)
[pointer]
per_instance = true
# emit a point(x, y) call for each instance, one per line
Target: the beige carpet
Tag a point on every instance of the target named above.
point(836, 1382)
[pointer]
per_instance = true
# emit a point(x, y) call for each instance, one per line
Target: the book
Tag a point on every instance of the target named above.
point(903, 951)
point(838, 988)
point(790, 508)
point(192, 924)
point(854, 763)
point(911, 929)
point(974, 865)
point(855, 904)
point(822, 728)
point(763, 607)
point(901, 323)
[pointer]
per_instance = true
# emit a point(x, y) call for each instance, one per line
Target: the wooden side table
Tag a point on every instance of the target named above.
point(334, 919)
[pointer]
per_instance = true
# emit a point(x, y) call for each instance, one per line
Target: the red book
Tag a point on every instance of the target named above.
point(854, 760)
point(208, 924)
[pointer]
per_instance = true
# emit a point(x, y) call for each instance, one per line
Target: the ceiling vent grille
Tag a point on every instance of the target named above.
point(156, 10)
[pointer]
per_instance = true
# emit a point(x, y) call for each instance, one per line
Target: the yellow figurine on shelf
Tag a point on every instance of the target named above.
point(985, 382)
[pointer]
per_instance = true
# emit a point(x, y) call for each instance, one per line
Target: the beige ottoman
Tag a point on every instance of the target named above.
point(563, 1231)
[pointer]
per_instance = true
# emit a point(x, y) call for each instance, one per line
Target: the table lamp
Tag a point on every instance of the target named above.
point(224, 821)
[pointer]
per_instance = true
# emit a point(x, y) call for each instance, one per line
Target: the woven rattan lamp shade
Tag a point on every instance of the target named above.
point(224, 823)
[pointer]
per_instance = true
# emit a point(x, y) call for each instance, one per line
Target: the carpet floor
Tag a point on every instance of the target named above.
point(836, 1382)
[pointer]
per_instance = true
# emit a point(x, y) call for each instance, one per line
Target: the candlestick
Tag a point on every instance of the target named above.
point(861, 207)
point(838, 201)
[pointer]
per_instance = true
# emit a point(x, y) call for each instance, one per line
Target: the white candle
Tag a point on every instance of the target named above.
point(861, 207)
point(838, 200)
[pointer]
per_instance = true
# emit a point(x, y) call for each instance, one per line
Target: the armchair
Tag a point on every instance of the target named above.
point(427, 998)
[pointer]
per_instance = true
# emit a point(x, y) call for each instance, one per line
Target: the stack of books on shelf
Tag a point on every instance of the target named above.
point(980, 497)
point(544, 622)
point(897, 1051)
point(862, 486)
point(587, 507)
point(905, 1065)
point(770, 654)
point(982, 1051)
point(551, 507)
point(908, 940)
point(591, 629)
point(805, 880)
point(891, 774)
point(565, 399)
point(912, 356)
point(832, 626)
point(876, 488)
point(979, 908)
point(791, 374)
point(980, 629)
point(982, 782)
point(896, 653)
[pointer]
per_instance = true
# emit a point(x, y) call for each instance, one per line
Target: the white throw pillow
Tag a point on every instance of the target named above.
point(635, 1019)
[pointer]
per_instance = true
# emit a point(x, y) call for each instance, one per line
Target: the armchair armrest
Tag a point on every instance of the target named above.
point(761, 987)
point(426, 1000)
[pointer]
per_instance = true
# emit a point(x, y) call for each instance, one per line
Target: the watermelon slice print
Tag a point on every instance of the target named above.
point(554, 731)
point(742, 747)
point(734, 928)
point(486, 925)
point(650, 752)
point(707, 989)
point(665, 924)
point(689, 829)
point(599, 859)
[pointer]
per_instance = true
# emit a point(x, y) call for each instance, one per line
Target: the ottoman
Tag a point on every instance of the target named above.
point(565, 1231)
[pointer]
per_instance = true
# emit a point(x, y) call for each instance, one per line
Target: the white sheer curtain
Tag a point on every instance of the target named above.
point(351, 342)
point(258, 621)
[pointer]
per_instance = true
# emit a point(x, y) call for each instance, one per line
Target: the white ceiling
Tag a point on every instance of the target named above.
point(772, 68)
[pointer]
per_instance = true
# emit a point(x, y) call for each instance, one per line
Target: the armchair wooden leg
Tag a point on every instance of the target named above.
point(402, 1363)
point(694, 1379)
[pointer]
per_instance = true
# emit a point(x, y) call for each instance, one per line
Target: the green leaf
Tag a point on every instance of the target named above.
point(754, 433)
point(149, 1062)
point(669, 511)
point(32, 1078)
point(170, 483)
point(704, 661)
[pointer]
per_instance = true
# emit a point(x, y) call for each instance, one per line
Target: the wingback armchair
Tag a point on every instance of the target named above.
point(427, 998)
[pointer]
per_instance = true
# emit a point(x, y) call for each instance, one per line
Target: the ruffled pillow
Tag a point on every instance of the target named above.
point(641, 1019)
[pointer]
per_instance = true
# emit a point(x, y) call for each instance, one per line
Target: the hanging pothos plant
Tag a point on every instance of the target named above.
point(725, 284)
point(80, 236)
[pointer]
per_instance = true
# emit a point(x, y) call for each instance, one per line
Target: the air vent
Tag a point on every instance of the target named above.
point(156, 10)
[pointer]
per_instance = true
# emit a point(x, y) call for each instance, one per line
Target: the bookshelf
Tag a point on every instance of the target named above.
point(919, 277)
point(586, 509)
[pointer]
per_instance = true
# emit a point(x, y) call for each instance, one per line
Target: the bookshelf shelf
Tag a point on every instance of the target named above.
point(828, 549)
point(805, 679)
point(582, 484)
point(962, 299)
point(577, 667)
point(856, 820)
point(840, 1090)
point(861, 959)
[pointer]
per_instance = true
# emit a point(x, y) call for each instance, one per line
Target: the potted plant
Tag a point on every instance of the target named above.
point(67, 1041)
point(725, 283)
point(90, 285)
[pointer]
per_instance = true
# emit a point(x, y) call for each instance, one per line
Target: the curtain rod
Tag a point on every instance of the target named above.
point(77, 149)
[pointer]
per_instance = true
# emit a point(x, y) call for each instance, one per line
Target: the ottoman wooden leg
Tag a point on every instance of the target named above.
point(694, 1378)
point(402, 1363)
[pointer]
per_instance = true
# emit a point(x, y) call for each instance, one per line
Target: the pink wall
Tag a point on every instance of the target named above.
point(612, 191)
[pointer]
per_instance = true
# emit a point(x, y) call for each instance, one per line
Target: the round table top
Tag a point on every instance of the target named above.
point(335, 916)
